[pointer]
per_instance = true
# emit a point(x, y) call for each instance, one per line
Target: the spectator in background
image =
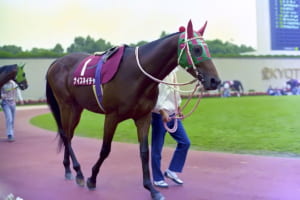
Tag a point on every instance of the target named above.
point(273, 91)
point(9, 95)
point(226, 89)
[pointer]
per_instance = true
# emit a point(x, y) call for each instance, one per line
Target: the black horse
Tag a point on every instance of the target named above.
point(129, 95)
point(13, 72)
point(226, 86)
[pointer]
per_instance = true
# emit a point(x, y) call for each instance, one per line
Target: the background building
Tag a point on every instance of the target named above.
point(278, 27)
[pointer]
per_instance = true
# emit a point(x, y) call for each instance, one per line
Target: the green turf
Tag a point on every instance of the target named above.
point(257, 125)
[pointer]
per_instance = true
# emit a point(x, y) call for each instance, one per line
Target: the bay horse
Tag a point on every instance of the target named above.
point(129, 95)
point(13, 72)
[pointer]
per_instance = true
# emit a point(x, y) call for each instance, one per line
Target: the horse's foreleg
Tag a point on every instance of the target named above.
point(143, 126)
point(110, 126)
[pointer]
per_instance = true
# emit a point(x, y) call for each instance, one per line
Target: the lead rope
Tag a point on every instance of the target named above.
point(180, 116)
point(172, 130)
point(177, 112)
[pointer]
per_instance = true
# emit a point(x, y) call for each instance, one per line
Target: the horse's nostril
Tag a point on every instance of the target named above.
point(215, 82)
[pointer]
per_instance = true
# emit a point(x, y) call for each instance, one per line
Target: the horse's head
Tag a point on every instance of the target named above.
point(194, 56)
point(20, 77)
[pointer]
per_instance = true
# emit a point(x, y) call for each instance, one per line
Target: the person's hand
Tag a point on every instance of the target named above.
point(180, 114)
point(165, 116)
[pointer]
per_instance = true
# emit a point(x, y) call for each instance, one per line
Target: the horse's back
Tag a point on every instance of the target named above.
point(62, 68)
point(70, 61)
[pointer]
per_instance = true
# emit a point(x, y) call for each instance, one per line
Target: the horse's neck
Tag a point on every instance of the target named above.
point(159, 58)
point(3, 80)
point(6, 76)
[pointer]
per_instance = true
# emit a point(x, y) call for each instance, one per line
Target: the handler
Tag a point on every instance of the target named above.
point(9, 94)
point(165, 108)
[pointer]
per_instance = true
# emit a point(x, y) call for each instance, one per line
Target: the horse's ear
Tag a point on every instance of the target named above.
point(22, 65)
point(190, 31)
point(201, 31)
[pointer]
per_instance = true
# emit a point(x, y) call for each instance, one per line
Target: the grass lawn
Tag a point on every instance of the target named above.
point(263, 125)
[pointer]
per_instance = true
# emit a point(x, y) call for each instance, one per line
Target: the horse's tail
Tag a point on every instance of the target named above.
point(54, 107)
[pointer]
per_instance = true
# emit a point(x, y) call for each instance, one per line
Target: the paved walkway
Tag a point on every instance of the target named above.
point(31, 168)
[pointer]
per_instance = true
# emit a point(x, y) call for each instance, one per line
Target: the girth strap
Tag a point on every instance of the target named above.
point(97, 86)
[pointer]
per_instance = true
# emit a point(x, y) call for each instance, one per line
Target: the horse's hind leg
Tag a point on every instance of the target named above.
point(110, 126)
point(143, 126)
point(66, 161)
point(70, 119)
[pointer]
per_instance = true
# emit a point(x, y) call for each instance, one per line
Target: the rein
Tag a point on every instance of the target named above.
point(152, 77)
point(178, 114)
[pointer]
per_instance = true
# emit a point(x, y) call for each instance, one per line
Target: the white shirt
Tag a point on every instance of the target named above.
point(226, 85)
point(168, 97)
point(10, 91)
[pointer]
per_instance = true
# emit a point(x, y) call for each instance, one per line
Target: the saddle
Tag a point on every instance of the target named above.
point(85, 72)
point(106, 54)
point(98, 69)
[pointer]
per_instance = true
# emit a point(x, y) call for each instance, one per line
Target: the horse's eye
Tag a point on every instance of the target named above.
point(197, 50)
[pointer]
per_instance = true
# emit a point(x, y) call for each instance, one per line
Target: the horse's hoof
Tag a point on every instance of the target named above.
point(69, 176)
point(157, 196)
point(90, 184)
point(80, 181)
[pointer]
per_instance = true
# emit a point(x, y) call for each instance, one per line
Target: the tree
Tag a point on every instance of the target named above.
point(11, 49)
point(88, 45)
point(217, 47)
point(163, 34)
point(58, 49)
point(77, 45)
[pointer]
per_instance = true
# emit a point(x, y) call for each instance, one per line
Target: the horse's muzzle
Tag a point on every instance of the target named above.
point(23, 85)
point(212, 83)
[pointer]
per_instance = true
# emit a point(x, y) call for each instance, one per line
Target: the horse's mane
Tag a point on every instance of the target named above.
point(7, 68)
point(160, 39)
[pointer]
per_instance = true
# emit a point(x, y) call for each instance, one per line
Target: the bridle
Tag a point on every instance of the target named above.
point(182, 46)
point(20, 77)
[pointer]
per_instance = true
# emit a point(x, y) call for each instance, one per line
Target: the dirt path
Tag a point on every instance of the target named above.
point(31, 168)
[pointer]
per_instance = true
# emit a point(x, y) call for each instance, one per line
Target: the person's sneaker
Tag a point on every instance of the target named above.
point(173, 176)
point(11, 138)
point(161, 184)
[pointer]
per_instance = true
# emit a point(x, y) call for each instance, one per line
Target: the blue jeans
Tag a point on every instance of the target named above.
point(9, 110)
point(226, 93)
point(158, 138)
